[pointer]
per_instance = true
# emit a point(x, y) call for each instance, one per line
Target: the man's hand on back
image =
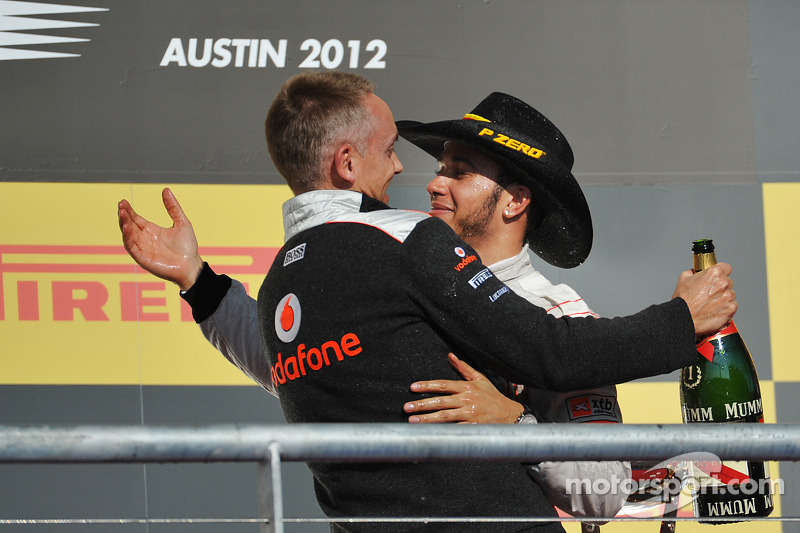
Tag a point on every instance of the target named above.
point(473, 401)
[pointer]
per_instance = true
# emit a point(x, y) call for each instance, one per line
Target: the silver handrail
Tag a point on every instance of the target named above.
point(394, 442)
point(268, 445)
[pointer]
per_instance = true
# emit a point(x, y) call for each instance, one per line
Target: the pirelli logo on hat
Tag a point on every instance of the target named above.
point(505, 140)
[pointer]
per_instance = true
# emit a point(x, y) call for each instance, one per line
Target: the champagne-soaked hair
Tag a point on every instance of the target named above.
point(311, 116)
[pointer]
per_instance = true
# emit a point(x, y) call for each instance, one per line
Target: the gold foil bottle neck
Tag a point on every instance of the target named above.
point(704, 255)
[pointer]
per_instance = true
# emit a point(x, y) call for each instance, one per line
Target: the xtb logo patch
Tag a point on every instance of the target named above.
point(580, 407)
point(592, 407)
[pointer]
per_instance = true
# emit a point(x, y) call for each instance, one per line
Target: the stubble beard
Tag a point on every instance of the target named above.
point(476, 223)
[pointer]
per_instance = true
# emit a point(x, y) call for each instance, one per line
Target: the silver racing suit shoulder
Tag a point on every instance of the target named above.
point(314, 208)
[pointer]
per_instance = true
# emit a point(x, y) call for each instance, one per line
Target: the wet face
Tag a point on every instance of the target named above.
point(378, 161)
point(465, 193)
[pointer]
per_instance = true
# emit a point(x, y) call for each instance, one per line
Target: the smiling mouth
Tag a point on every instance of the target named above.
point(438, 210)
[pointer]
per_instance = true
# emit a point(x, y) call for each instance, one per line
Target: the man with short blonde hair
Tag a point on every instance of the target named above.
point(311, 113)
point(360, 300)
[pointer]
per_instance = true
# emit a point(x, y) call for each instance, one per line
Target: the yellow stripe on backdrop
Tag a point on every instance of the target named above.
point(782, 244)
point(74, 308)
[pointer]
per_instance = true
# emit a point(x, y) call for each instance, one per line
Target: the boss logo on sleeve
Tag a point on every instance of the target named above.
point(295, 254)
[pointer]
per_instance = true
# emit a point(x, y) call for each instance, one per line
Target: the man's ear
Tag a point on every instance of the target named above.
point(344, 163)
point(519, 201)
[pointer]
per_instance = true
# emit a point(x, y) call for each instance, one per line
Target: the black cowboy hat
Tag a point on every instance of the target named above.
point(535, 152)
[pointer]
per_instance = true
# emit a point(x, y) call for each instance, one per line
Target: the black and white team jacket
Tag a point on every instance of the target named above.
point(363, 300)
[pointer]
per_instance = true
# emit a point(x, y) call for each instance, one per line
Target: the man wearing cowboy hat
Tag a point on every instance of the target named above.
point(361, 299)
point(483, 190)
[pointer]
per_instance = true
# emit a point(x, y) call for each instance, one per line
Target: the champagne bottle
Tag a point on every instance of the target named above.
point(723, 387)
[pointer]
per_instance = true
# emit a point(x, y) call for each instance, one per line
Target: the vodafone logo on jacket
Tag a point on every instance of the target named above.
point(305, 359)
point(287, 318)
point(460, 252)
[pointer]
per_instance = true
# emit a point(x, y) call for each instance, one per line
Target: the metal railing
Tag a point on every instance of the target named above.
point(271, 444)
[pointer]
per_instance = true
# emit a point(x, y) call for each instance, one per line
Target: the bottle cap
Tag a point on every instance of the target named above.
point(703, 246)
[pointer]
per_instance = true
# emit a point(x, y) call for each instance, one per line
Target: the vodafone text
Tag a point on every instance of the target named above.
point(314, 359)
point(260, 53)
point(464, 262)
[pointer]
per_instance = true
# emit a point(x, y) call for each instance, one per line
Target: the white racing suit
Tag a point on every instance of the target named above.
point(571, 486)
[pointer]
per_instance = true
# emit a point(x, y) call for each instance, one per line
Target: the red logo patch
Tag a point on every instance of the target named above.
point(287, 318)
